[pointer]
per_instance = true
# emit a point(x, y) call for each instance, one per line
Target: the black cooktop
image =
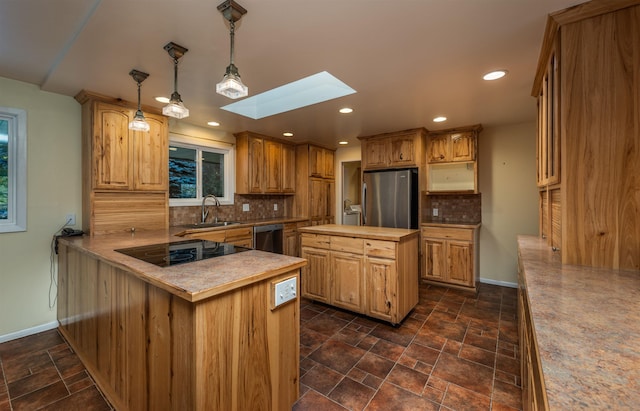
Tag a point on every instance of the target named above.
point(168, 254)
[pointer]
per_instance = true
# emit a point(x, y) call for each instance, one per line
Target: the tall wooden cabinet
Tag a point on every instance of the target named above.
point(125, 172)
point(315, 184)
point(264, 165)
point(393, 150)
point(587, 86)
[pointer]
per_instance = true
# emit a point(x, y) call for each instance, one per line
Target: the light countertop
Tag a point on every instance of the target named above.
point(192, 281)
point(587, 326)
point(372, 233)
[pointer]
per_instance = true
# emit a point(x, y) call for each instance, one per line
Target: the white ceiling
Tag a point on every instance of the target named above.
point(409, 60)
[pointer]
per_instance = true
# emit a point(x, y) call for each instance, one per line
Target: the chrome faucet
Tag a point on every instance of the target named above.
point(205, 212)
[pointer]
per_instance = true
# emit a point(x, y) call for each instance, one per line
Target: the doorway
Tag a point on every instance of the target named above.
point(351, 192)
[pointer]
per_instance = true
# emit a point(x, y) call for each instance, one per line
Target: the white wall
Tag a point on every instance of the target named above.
point(507, 181)
point(54, 188)
point(507, 172)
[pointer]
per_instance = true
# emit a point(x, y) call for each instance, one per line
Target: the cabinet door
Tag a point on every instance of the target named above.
point(151, 156)
point(329, 166)
point(316, 161)
point(112, 165)
point(402, 152)
point(380, 279)
point(318, 198)
point(288, 168)
point(463, 146)
point(346, 280)
point(438, 149)
point(315, 275)
point(433, 252)
point(460, 262)
point(256, 164)
point(290, 240)
point(272, 166)
point(374, 154)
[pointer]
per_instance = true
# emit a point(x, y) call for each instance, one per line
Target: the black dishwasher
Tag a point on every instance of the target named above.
point(268, 238)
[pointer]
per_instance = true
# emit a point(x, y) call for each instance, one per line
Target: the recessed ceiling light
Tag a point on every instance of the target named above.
point(287, 134)
point(310, 90)
point(346, 110)
point(494, 75)
point(213, 123)
point(440, 119)
point(162, 99)
point(343, 143)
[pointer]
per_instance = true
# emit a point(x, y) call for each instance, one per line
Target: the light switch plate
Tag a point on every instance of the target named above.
point(245, 207)
point(284, 291)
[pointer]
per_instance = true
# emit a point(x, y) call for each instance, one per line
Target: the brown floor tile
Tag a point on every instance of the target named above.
point(40, 398)
point(508, 364)
point(475, 354)
point(400, 336)
point(458, 398)
point(408, 379)
point(311, 338)
point(88, 399)
point(30, 344)
point(421, 353)
point(486, 343)
point(312, 401)
point(20, 366)
point(387, 350)
point(34, 382)
point(507, 394)
point(351, 337)
point(326, 324)
point(337, 355)
point(389, 397)
point(450, 330)
point(467, 374)
point(321, 379)
point(352, 395)
point(372, 381)
point(375, 365)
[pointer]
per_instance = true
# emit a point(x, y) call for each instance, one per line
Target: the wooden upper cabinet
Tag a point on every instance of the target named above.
point(264, 165)
point(548, 142)
point(454, 145)
point(393, 150)
point(111, 157)
point(124, 159)
point(151, 156)
point(321, 162)
point(272, 166)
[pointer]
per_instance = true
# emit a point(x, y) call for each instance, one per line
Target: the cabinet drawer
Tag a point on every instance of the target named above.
point(316, 241)
point(347, 244)
point(377, 248)
point(236, 233)
point(217, 236)
point(448, 233)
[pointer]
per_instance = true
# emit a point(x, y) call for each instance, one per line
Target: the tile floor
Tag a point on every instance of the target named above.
point(455, 351)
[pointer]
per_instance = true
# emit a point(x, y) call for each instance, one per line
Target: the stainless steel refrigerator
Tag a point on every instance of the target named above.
point(390, 198)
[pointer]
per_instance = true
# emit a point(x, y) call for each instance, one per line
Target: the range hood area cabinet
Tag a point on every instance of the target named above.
point(452, 164)
point(590, 50)
point(264, 165)
point(393, 150)
point(125, 172)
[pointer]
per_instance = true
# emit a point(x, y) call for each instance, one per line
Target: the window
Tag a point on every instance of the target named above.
point(13, 170)
point(198, 168)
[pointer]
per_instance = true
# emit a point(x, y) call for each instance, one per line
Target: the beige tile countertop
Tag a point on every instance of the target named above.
point(372, 233)
point(587, 326)
point(192, 281)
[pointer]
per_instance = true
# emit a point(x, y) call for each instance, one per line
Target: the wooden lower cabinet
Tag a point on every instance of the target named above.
point(148, 349)
point(450, 255)
point(534, 394)
point(372, 277)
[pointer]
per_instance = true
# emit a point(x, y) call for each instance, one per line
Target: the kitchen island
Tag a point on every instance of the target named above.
point(368, 270)
point(202, 335)
point(579, 332)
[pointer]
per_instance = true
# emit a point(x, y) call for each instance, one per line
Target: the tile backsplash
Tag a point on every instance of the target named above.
point(453, 208)
point(260, 207)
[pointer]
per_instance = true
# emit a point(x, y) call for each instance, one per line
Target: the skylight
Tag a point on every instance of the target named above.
point(300, 93)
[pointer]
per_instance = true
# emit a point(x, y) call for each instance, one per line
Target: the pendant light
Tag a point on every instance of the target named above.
point(176, 107)
point(139, 123)
point(231, 85)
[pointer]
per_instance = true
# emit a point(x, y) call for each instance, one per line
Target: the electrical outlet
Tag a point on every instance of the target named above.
point(245, 207)
point(285, 291)
point(435, 212)
point(70, 219)
point(275, 207)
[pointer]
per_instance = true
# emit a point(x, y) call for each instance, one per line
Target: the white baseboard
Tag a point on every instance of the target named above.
point(500, 283)
point(28, 331)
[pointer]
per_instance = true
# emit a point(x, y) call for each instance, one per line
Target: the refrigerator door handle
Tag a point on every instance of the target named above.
point(364, 203)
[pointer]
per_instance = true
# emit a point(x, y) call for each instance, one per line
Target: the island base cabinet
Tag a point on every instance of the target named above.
point(148, 349)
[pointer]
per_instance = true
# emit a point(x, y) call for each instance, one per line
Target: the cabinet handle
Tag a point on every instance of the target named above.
point(441, 157)
point(401, 157)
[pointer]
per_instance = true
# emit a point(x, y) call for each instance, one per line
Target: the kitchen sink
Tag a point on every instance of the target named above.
point(208, 225)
